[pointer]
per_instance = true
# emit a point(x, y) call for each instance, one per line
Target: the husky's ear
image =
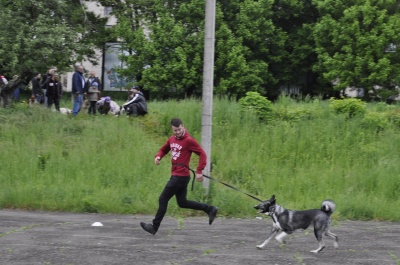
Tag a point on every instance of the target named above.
point(272, 198)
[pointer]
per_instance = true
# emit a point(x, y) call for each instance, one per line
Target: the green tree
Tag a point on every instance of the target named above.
point(175, 47)
point(352, 41)
point(247, 42)
point(296, 18)
point(260, 45)
point(162, 41)
point(165, 45)
point(36, 35)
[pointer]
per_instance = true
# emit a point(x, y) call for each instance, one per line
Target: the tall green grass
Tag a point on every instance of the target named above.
point(104, 164)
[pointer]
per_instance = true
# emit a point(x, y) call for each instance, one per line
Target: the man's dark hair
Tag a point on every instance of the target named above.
point(176, 122)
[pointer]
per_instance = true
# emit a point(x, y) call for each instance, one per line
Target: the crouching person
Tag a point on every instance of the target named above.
point(137, 104)
point(103, 105)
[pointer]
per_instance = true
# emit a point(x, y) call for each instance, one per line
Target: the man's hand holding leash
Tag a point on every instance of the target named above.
point(199, 177)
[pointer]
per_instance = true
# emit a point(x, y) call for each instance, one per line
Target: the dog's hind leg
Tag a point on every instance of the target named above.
point(270, 236)
point(321, 247)
point(280, 237)
point(318, 234)
point(332, 235)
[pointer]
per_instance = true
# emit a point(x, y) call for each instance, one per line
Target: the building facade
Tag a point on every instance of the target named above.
point(107, 58)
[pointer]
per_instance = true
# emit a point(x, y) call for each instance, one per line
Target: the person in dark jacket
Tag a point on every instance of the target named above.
point(181, 145)
point(53, 91)
point(46, 77)
point(78, 89)
point(137, 104)
point(17, 90)
point(37, 92)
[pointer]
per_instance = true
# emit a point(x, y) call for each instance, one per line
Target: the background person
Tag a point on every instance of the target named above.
point(93, 97)
point(46, 77)
point(91, 79)
point(78, 89)
point(53, 91)
point(104, 105)
point(4, 79)
point(17, 90)
point(181, 145)
point(137, 104)
point(36, 88)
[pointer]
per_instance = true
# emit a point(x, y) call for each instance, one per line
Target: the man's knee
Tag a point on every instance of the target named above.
point(182, 203)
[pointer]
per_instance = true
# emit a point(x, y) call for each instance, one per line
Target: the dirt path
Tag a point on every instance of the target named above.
point(63, 238)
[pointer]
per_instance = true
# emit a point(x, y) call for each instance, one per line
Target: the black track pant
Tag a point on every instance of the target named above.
point(134, 109)
point(176, 186)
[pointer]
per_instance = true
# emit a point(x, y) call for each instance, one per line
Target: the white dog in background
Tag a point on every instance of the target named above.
point(65, 111)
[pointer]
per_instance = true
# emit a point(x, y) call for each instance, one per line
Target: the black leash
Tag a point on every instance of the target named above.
point(223, 183)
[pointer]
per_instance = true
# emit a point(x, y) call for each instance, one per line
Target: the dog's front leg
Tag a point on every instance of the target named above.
point(280, 237)
point(270, 236)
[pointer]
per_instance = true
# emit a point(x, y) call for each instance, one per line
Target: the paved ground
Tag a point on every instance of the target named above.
point(63, 238)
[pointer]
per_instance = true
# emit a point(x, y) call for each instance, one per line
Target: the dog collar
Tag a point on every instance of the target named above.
point(272, 214)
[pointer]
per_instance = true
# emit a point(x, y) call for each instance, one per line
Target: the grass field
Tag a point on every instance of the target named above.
point(305, 154)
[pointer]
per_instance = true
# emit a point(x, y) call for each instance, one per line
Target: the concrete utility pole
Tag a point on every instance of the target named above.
point(208, 86)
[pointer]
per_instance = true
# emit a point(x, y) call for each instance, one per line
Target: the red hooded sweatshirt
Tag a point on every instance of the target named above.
point(181, 150)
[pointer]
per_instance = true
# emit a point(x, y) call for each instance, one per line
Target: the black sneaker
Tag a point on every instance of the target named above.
point(212, 214)
point(148, 228)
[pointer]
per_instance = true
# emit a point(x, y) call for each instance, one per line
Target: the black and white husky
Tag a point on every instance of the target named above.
point(287, 221)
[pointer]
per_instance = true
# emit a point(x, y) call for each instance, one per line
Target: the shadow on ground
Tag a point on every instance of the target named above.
point(63, 238)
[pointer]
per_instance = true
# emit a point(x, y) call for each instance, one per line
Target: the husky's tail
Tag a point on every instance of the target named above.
point(328, 206)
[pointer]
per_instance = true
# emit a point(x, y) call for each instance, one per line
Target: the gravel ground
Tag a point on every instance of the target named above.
point(65, 238)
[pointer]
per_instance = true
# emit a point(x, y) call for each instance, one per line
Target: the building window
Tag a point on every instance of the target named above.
point(107, 10)
point(112, 81)
point(391, 48)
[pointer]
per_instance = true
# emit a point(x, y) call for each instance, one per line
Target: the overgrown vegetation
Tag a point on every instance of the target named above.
point(305, 153)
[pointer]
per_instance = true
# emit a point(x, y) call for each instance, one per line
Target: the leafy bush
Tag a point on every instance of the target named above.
point(350, 106)
point(295, 114)
point(376, 120)
point(394, 117)
point(292, 110)
point(258, 104)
